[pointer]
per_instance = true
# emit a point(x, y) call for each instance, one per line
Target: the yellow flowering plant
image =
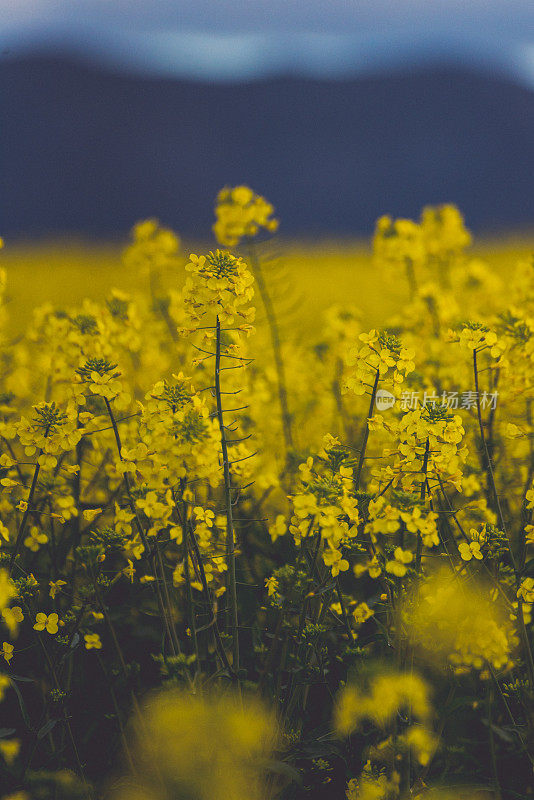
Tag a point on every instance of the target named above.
point(337, 519)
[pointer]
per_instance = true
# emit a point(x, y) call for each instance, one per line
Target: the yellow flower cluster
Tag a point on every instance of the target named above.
point(384, 518)
point(382, 358)
point(476, 336)
point(440, 234)
point(241, 213)
point(49, 433)
point(325, 505)
point(153, 248)
point(461, 621)
point(380, 699)
point(429, 447)
point(219, 283)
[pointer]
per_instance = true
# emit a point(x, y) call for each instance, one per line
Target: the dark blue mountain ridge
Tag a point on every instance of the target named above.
point(89, 151)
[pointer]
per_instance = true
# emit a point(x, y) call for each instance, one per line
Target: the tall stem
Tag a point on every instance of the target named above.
point(366, 432)
point(26, 514)
point(488, 464)
point(230, 551)
point(213, 622)
point(275, 342)
point(492, 486)
point(189, 593)
point(22, 529)
point(66, 719)
point(423, 495)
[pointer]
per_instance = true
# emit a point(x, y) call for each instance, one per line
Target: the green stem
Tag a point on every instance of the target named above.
point(190, 607)
point(423, 495)
point(167, 621)
point(66, 721)
point(120, 723)
point(366, 432)
point(230, 551)
point(22, 528)
point(277, 349)
point(492, 485)
point(213, 621)
point(488, 464)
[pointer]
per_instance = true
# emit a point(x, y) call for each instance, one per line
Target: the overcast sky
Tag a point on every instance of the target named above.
point(243, 38)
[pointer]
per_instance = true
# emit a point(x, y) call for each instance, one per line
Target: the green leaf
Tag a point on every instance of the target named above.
point(47, 727)
point(22, 705)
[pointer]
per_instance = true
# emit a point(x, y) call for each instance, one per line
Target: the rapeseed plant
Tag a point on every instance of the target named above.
point(262, 567)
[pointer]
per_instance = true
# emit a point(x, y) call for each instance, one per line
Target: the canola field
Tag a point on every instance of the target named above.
point(266, 514)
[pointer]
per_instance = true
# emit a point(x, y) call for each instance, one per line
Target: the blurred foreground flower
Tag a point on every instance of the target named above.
point(188, 747)
point(455, 618)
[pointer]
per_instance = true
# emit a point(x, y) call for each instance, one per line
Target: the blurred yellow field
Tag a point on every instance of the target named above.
point(318, 275)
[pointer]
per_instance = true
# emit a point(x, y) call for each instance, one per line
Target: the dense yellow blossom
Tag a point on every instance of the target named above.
point(411, 429)
point(241, 213)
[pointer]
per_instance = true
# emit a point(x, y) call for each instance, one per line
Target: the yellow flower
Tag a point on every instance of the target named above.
point(512, 431)
point(460, 620)
point(4, 532)
point(334, 560)
point(17, 796)
point(72, 469)
point(55, 587)
point(526, 590)
point(47, 461)
point(7, 651)
point(398, 566)
point(279, 527)
point(361, 613)
point(48, 622)
point(35, 539)
point(12, 617)
point(92, 641)
point(153, 248)
point(387, 694)
point(422, 742)
point(5, 683)
point(10, 749)
point(221, 283)
point(470, 550)
point(8, 483)
point(204, 515)
point(272, 585)
point(91, 513)
point(7, 588)
point(129, 571)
